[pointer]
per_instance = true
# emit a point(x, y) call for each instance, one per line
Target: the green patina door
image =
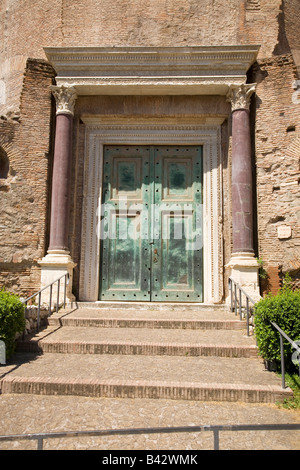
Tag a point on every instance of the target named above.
point(151, 227)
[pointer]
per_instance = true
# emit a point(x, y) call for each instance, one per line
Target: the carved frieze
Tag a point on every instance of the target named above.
point(152, 70)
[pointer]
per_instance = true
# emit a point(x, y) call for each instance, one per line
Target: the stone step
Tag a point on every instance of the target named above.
point(158, 306)
point(122, 351)
point(184, 378)
point(134, 318)
point(141, 341)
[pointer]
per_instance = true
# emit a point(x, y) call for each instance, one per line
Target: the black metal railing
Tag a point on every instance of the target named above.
point(295, 346)
point(236, 302)
point(38, 295)
point(236, 293)
point(215, 429)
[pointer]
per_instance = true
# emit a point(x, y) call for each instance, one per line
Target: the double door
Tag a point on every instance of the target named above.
point(151, 224)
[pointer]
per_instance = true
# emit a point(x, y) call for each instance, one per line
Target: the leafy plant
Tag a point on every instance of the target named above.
point(284, 310)
point(261, 270)
point(12, 319)
point(292, 381)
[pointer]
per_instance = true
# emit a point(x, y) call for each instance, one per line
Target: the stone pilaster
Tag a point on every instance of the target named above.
point(243, 265)
point(58, 260)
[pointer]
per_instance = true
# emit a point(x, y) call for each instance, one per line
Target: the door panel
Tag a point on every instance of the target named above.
point(177, 275)
point(152, 224)
point(125, 253)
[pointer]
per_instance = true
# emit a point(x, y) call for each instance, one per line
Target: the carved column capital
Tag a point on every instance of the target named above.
point(239, 96)
point(65, 99)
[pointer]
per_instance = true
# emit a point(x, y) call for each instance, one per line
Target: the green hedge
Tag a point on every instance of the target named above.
point(12, 320)
point(284, 310)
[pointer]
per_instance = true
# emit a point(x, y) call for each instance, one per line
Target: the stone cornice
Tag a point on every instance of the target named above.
point(142, 70)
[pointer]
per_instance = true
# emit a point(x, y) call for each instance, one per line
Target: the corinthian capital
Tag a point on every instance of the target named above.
point(65, 99)
point(239, 96)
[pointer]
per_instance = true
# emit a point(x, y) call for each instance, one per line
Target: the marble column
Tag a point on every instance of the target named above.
point(58, 260)
point(243, 265)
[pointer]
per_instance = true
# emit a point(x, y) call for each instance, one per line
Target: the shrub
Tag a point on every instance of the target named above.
point(12, 320)
point(284, 310)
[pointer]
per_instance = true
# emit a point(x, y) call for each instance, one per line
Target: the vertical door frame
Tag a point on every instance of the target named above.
point(106, 130)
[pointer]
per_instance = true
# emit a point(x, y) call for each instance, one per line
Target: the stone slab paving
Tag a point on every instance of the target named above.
point(31, 414)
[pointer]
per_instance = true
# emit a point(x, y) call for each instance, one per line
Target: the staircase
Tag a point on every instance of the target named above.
point(143, 350)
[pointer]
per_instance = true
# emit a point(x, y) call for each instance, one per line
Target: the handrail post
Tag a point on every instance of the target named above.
point(50, 299)
point(40, 443)
point(282, 362)
point(235, 300)
point(25, 310)
point(247, 313)
point(39, 312)
point(65, 289)
point(57, 300)
point(216, 439)
point(240, 302)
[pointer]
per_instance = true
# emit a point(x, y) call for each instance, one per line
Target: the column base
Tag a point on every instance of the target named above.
point(55, 264)
point(244, 271)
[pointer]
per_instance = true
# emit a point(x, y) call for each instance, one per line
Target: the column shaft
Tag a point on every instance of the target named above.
point(242, 202)
point(243, 265)
point(61, 183)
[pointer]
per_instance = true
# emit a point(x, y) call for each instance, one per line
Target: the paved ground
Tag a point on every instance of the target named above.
point(30, 413)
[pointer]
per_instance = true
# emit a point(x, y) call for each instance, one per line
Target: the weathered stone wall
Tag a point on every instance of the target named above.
point(26, 27)
point(277, 162)
point(24, 194)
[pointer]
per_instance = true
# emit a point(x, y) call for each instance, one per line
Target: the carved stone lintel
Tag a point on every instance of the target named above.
point(239, 96)
point(65, 99)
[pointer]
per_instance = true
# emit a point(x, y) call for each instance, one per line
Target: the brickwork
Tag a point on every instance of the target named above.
point(26, 139)
point(277, 164)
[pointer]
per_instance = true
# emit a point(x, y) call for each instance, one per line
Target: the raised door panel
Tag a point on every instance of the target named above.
point(177, 257)
point(125, 250)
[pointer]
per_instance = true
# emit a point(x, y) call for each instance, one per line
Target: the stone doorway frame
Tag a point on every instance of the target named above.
point(196, 70)
point(104, 130)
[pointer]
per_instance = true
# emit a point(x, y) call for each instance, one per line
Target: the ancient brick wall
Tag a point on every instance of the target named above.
point(277, 165)
point(26, 140)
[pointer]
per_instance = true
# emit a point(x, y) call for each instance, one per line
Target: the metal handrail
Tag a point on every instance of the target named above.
point(39, 294)
point(236, 287)
point(215, 429)
point(295, 346)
